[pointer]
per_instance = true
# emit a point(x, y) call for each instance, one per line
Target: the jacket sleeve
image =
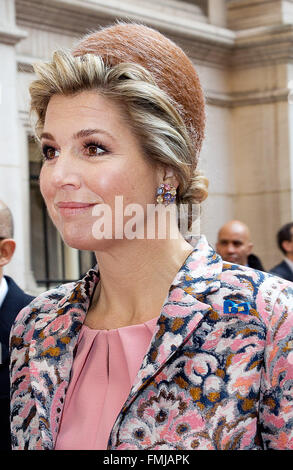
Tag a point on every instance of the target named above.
point(26, 423)
point(23, 414)
point(276, 399)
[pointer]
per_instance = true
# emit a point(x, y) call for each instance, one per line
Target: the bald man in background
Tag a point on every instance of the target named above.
point(12, 300)
point(235, 246)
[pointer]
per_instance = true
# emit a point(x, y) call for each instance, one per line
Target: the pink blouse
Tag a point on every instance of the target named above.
point(104, 369)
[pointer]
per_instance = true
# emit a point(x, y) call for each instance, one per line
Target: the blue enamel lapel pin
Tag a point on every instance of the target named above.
point(232, 307)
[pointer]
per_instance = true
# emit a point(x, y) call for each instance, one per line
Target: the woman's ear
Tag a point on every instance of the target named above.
point(169, 176)
point(7, 248)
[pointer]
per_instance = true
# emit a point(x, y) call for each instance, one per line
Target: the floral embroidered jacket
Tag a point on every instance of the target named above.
point(218, 373)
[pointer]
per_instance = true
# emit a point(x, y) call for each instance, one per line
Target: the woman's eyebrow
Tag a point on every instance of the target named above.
point(88, 132)
point(46, 135)
point(79, 134)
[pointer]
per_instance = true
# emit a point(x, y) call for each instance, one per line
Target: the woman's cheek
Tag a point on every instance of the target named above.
point(109, 184)
point(43, 188)
point(47, 191)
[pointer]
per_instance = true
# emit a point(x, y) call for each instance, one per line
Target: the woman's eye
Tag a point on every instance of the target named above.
point(49, 153)
point(94, 149)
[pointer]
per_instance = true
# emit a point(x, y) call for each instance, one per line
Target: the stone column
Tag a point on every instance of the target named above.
point(262, 119)
point(217, 12)
point(71, 263)
point(12, 167)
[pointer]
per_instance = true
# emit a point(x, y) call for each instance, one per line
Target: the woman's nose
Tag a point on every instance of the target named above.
point(66, 173)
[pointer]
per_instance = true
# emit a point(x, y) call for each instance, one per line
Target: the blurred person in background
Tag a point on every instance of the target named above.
point(235, 246)
point(12, 300)
point(285, 244)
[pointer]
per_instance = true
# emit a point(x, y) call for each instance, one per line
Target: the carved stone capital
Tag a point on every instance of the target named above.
point(11, 36)
point(246, 98)
point(263, 46)
point(204, 43)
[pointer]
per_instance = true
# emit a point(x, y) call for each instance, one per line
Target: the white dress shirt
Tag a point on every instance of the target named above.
point(290, 263)
point(3, 290)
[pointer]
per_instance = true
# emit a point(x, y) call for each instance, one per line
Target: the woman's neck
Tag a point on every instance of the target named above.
point(135, 280)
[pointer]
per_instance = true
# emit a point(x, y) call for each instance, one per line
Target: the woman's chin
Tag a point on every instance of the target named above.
point(87, 244)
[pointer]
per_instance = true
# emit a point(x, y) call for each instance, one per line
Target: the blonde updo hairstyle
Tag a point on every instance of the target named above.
point(153, 82)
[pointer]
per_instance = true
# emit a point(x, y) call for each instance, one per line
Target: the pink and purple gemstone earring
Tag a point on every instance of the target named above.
point(166, 194)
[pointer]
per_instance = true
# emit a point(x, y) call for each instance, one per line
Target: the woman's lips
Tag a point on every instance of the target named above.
point(73, 208)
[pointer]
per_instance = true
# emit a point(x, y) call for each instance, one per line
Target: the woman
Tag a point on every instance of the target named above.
point(162, 346)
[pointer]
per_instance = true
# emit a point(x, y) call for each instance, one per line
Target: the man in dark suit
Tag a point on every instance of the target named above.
point(285, 243)
point(12, 300)
point(235, 246)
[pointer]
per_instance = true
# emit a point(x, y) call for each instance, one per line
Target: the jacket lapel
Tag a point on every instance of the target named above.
point(182, 311)
point(52, 351)
point(58, 324)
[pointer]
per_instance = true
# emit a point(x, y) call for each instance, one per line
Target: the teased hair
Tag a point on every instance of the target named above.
point(153, 114)
point(170, 67)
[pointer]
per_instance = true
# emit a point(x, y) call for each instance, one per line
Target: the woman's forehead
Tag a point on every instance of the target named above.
point(86, 100)
point(85, 114)
point(86, 105)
